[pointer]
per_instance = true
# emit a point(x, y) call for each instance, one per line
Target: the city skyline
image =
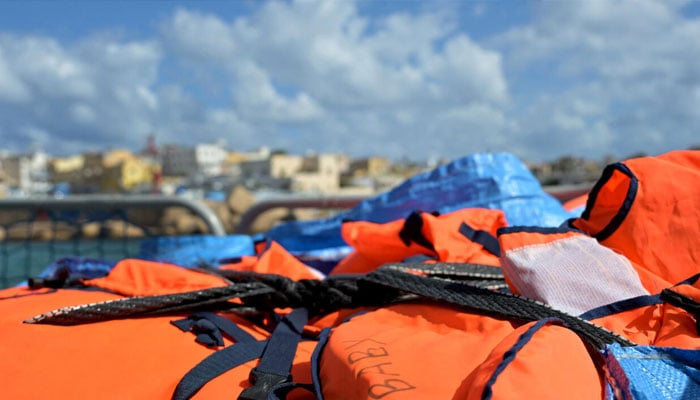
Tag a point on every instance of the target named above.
point(402, 79)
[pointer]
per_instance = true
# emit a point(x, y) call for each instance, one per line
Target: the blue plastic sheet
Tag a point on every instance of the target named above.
point(77, 268)
point(196, 250)
point(651, 373)
point(495, 181)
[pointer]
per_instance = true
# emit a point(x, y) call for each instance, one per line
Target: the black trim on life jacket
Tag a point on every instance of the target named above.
point(633, 303)
point(322, 339)
point(485, 239)
point(412, 232)
point(316, 362)
point(689, 281)
point(621, 306)
point(509, 355)
point(619, 217)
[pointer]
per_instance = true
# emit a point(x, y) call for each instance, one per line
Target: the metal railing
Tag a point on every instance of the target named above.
point(290, 203)
point(25, 252)
point(115, 203)
point(36, 232)
point(561, 193)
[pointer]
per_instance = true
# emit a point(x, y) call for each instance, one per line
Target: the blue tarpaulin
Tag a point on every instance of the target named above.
point(495, 181)
point(196, 250)
point(651, 372)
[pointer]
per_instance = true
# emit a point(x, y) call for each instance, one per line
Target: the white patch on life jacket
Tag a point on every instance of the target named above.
point(574, 274)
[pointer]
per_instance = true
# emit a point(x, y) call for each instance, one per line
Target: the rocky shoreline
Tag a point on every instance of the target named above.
point(135, 223)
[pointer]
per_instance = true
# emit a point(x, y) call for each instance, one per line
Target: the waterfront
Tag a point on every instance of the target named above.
point(20, 260)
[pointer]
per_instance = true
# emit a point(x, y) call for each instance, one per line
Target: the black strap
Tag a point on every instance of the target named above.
point(489, 302)
point(485, 239)
point(485, 276)
point(412, 231)
point(209, 326)
point(216, 364)
point(132, 307)
point(276, 357)
point(276, 361)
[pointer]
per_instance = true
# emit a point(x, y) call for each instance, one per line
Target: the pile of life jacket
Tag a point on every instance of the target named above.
point(459, 305)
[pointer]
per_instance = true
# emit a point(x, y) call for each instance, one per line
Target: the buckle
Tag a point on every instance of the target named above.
point(263, 384)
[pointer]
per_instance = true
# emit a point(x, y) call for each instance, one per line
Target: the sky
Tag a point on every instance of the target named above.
point(406, 79)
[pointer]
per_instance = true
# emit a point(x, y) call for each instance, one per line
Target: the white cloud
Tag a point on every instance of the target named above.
point(340, 78)
point(256, 98)
point(11, 87)
point(199, 37)
point(631, 67)
point(93, 94)
point(586, 78)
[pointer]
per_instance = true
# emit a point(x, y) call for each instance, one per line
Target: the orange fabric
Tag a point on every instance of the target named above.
point(134, 358)
point(275, 260)
point(140, 358)
point(375, 244)
point(452, 246)
point(132, 277)
point(659, 232)
point(409, 351)
point(658, 325)
point(554, 364)
point(576, 202)
point(640, 325)
point(678, 327)
point(517, 239)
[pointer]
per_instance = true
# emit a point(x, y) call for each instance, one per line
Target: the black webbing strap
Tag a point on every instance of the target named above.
point(276, 357)
point(216, 364)
point(451, 270)
point(264, 292)
point(210, 328)
point(485, 239)
point(485, 276)
point(489, 302)
point(276, 361)
point(132, 307)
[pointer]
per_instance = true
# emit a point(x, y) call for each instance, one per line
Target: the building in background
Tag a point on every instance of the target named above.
point(26, 174)
point(126, 172)
point(201, 159)
point(313, 173)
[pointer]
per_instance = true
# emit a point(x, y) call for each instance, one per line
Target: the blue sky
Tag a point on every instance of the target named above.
point(399, 78)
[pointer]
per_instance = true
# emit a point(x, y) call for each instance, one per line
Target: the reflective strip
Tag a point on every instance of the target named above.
point(574, 274)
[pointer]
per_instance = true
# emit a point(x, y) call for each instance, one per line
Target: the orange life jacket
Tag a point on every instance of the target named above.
point(419, 350)
point(646, 209)
point(632, 242)
point(466, 235)
point(144, 357)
